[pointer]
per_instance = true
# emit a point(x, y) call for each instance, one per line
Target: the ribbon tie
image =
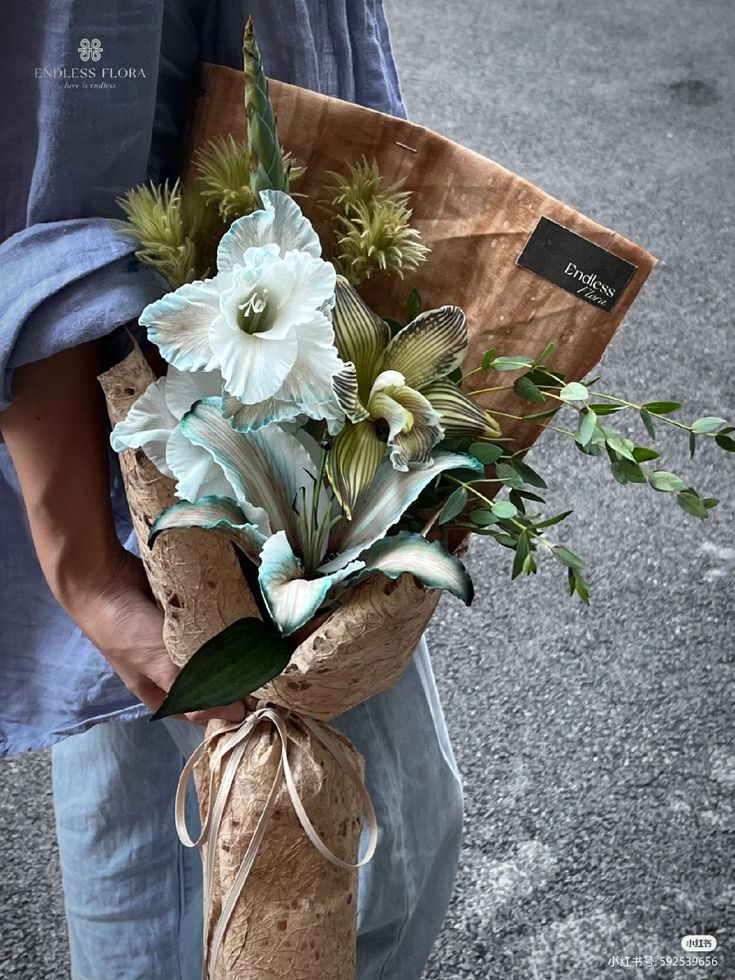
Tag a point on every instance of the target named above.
point(234, 742)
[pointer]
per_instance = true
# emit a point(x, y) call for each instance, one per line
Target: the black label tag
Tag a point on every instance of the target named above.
point(577, 265)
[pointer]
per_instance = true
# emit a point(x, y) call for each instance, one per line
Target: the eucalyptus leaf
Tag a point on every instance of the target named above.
point(487, 358)
point(504, 509)
point(413, 305)
point(550, 521)
point(509, 476)
point(725, 442)
point(710, 423)
point(587, 426)
point(661, 408)
point(568, 557)
point(454, 505)
point(526, 389)
point(486, 452)
point(511, 363)
point(574, 392)
point(692, 504)
point(546, 353)
point(606, 408)
point(530, 476)
point(647, 420)
point(523, 549)
point(482, 516)
point(666, 482)
point(642, 454)
point(227, 668)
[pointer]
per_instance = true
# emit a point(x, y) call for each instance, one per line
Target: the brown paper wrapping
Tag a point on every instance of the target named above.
point(194, 575)
point(296, 918)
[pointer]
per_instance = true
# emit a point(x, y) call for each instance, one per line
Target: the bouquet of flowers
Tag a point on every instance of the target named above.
point(305, 475)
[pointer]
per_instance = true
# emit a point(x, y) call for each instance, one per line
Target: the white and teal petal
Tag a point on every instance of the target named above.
point(384, 502)
point(428, 561)
point(183, 388)
point(430, 347)
point(196, 473)
point(211, 513)
point(268, 469)
point(147, 426)
point(306, 285)
point(279, 222)
point(292, 598)
point(179, 323)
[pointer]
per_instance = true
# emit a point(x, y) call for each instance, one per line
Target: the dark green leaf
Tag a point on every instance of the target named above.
point(544, 378)
point(550, 521)
point(710, 502)
point(526, 389)
point(661, 408)
point(567, 557)
point(626, 471)
point(413, 305)
point(530, 476)
point(229, 667)
point(690, 503)
point(482, 516)
point(647, 420)
point(455, 376)
point(486, 452)
point(487, 358)
point(623, 447)
point(522, 551)
point(725, 442)
point(692, 445)
point(509, 476)
point(394, 325)
point(641, 454)
point(527, 495)
point(606, 408)
point(546, 353)
point(454, 505)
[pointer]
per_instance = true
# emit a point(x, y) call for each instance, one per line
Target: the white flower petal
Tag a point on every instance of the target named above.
point(253, 367)
point(183, 388)
point(279, 222)
point(312, 285)
point(292, 599)
point(196, 473)
point(178, 324)
point(147, 426)
point(383, 503)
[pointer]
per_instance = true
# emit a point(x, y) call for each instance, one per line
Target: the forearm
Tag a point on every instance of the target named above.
point(56, 433)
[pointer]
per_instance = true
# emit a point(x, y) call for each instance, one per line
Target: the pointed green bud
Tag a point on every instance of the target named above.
point(267, 169)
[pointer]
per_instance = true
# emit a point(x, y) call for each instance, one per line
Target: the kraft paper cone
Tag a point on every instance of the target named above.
point(296, 917)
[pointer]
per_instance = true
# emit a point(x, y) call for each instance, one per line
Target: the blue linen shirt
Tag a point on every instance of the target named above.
point(71, 141)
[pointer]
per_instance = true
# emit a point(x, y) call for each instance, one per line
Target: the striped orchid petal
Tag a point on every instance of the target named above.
point(353, 461)
point(347, 393)
point(269, 470)
point(361, 335)
point(291, 598)
point(413, 443)
point(211, 514)
point(428, 561)
point(459, 414)
point(430, 347)
point(382, 504)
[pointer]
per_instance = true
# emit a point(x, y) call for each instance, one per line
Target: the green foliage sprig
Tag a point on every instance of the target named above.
point(464, 502)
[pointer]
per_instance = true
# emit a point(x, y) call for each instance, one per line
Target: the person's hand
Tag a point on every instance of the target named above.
point(120, 617)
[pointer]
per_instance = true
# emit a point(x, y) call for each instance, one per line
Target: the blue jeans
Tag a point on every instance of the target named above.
point(133, 893)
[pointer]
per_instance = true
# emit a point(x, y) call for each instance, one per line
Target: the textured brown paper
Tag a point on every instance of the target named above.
point(194, 575)
point(296, 918)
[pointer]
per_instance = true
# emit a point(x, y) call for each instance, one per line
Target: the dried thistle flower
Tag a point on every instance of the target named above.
point(377, 238)
point(176, 228)
point(372, 224)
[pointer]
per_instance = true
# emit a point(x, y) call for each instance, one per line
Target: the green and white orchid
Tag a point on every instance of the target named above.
point(395, 392)
point(283, 516)
point(263, 322)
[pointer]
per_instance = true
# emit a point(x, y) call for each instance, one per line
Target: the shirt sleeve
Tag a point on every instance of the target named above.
point(78, 127)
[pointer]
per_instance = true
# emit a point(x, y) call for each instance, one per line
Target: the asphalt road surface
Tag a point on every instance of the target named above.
point(596, 744)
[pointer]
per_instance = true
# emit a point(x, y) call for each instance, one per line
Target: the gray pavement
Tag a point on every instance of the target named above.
point(596, 745)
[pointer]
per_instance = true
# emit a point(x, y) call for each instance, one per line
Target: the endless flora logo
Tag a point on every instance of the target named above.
point(90, 50)
point(576, 265)
point(89, 76)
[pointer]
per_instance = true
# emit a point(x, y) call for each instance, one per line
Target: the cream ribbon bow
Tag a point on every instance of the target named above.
point(235, 746)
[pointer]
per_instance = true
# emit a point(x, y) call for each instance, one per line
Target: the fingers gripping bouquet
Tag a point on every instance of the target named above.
point(304, 477)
